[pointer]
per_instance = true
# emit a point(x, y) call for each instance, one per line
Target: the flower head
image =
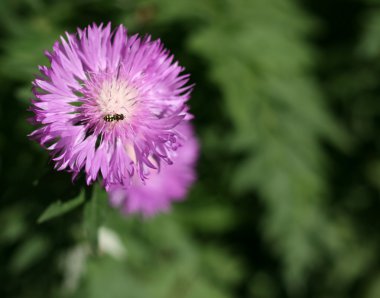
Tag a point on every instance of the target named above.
point(108, 102)
point(168, 184)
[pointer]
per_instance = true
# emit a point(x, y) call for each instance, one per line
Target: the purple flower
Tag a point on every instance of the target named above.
point(109, 103)
point(168, 184)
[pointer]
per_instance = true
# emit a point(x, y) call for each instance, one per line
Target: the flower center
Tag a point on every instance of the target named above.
point(117, 99)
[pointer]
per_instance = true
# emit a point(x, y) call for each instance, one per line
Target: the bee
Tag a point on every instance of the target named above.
point(114, 117)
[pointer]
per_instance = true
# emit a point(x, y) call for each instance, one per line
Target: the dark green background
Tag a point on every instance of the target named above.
point(287, 107)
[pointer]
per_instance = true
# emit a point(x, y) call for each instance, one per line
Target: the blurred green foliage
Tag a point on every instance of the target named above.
point(286, 204)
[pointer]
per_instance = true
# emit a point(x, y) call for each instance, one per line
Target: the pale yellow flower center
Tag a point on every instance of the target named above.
point(117, 97)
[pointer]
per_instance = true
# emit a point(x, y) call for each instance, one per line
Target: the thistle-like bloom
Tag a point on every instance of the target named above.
point(108, 103)
point(163, 187)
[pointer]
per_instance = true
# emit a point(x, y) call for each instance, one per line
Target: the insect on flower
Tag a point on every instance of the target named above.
point(113, 117)
point(93, 73)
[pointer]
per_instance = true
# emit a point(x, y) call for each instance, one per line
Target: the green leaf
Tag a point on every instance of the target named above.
point(59, 208)
point(28, 253)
